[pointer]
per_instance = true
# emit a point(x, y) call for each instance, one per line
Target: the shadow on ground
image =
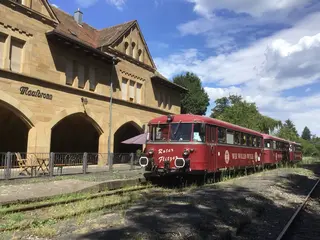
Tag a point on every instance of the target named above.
point(227, 211)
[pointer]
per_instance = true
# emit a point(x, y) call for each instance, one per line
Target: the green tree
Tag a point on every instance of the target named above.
point(306, 134)
point(196, 100)
point(288, 131)
point(235, 110)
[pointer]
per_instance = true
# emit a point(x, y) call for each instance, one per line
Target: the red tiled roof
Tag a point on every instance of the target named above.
point(87, 34)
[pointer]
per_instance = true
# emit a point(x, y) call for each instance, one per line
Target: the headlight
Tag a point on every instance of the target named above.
point(186, 153)
point(150, 152)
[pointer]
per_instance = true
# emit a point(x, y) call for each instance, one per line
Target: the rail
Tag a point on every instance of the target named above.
point(294, 216)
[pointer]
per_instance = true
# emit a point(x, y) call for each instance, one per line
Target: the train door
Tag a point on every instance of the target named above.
point(211, 147)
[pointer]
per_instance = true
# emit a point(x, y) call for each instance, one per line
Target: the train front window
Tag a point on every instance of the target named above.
point(159, 133)
point(180, 131)
point(198, 133)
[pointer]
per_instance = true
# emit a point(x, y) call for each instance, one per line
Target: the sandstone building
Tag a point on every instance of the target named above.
point(57, 76)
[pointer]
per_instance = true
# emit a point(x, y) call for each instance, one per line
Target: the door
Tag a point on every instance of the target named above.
point(211, 147)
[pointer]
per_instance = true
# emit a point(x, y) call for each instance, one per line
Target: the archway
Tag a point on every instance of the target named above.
point(13, 130)
point(126, 131)
point(76, 133)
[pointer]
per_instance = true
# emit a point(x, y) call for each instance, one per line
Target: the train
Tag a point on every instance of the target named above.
point(185, 145)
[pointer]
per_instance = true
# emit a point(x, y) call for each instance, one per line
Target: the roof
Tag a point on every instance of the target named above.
point(88, 34)
point(161, 79)
point(198, 118)
point(267, 136)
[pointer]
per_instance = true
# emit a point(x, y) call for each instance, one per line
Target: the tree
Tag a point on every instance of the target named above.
point(235, 110)
point(196, 100)
point(306, 134)
point(288, 131)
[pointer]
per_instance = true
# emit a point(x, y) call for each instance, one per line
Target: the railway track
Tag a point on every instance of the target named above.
point(45, 206)
point(305, 222)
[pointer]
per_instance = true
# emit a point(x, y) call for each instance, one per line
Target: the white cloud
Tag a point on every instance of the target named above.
point(55, 5)
point(86, 3)
point(262, 71)
point(119, 4)
point(253, 7)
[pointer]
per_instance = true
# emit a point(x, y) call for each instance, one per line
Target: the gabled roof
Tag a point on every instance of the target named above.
point(93, 37)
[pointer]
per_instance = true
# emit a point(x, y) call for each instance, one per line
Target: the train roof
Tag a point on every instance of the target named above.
point(194, 118)
point(267, 136)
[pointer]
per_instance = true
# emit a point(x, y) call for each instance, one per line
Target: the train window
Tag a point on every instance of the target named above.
point(274, 145)
point(230, 137)
point(254, 141)
point(159, 132)
point(198, 133)
point(180, 131)
point(258, 141)
point(237, 138)
point(267, 143)
point(243, 139)
point(221, 135)
point(210, 133)
point(249, 142)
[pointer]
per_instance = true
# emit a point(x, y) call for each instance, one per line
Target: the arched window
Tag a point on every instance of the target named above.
point(140, 55)
point(126, 48)
point(133, 46)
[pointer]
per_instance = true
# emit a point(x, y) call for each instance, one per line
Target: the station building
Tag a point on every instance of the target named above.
point(59, 76)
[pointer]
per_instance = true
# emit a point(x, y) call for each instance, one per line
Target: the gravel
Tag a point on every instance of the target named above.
point(251, 207)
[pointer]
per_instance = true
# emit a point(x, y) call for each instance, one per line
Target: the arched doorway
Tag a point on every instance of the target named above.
point(76, 133)
point(126, 131)
point(13, 130)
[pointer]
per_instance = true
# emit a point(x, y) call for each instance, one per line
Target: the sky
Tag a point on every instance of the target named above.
point(266, 51)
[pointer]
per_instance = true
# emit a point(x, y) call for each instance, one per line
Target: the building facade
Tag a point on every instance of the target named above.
point(68, 87)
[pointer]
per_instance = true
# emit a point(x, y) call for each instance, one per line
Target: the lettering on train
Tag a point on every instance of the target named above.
point(243, 156)
point(170, 159)
point(168, 150)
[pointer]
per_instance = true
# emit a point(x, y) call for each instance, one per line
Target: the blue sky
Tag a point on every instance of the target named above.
point(267, 51)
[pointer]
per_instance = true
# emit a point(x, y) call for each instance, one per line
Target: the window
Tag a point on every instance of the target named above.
point(249, 140)
point(259, 141)
point(254, 141)
point(138, 93)
point(267, 143)
point(237, 138)
point(2, 49)
point(222, 135)
point(198, 133)
point(230, 137)
point(69, 72)
point(92, 78)
point(210, 133)
point(159, 132)
point(140, 55)
point(131, 91)
point(180, 131)
point(126, 48)
point(274, 145)
point(134, 50)
point(244, 139)
point(16, 54)
point(124, 89)
point(80, 76)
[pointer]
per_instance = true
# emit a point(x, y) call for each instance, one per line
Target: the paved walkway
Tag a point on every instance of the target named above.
point(48, 188)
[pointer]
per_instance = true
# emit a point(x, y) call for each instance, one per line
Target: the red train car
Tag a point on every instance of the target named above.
point(295, 152)
point(276, 150)
point(192, 144)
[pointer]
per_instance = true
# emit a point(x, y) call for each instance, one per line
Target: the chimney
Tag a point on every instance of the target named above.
point(78, 16)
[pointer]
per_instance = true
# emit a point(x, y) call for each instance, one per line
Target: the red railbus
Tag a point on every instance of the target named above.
point(276, 150)
point(192, 144)
point(295, 152)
